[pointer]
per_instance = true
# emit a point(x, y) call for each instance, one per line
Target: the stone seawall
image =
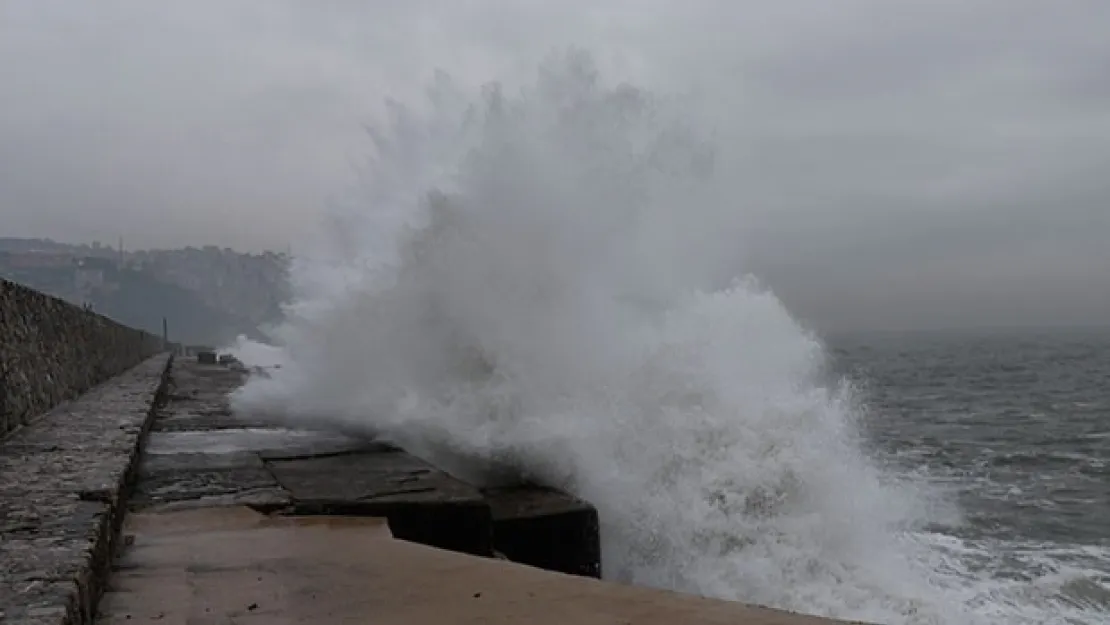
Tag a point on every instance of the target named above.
point(52, 351)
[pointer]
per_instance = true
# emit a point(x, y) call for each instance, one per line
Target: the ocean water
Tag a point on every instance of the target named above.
point(549, 281)
point(1015, 425)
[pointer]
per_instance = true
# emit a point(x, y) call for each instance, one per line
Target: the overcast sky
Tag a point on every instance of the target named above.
point(908, 162)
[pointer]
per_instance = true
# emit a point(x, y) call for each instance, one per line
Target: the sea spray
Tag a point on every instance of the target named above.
point(546, 281)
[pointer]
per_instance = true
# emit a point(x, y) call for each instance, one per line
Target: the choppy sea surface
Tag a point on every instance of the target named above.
point(1016, 425)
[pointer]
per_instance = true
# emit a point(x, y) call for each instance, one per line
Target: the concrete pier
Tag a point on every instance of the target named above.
point(234, 565)
point(147, 501)
point(198, 455)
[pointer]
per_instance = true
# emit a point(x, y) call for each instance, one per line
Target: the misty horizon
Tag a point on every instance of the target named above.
point(123, 243)
point(925, 165)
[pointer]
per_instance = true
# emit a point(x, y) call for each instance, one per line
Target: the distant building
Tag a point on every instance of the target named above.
point(87, 279)
point(36, 259)
point(90, 275)
point(96, 262)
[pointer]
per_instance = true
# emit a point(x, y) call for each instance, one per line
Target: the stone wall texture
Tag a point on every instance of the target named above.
point(52, 351)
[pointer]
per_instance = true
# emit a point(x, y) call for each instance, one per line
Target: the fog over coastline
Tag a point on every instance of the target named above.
point(900, 165)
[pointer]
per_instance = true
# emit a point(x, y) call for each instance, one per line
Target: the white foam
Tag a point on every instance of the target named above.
point(549, 282)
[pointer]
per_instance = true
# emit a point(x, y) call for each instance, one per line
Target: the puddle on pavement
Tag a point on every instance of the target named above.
point(229, 441)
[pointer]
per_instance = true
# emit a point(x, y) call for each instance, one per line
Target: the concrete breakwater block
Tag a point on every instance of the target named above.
point(545, 528)
point(206, 357)
point(198, 455)
point(526, 524)
point(421, 503)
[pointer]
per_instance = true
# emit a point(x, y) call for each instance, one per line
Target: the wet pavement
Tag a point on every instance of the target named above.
point(197, 454)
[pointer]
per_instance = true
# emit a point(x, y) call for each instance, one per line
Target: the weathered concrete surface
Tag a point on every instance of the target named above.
point(545, 529)
point(234, 524)
point(63, 480)
point(199, 455)
point(232, 565)
point(52, 351)
point(421, 503)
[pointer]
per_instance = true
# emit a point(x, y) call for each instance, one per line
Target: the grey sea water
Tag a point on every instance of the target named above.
point(1016, 426)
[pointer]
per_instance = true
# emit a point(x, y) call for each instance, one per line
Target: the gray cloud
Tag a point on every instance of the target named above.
point(901, 164)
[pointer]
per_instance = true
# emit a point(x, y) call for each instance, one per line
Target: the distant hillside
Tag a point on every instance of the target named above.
point(252, 286)
point(9, 244)
point(207, 295)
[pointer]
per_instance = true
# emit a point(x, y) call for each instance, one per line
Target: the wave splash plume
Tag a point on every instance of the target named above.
point(549, 282)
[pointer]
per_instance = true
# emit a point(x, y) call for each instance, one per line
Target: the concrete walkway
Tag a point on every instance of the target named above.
point(233, 522)
point(233, 565)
